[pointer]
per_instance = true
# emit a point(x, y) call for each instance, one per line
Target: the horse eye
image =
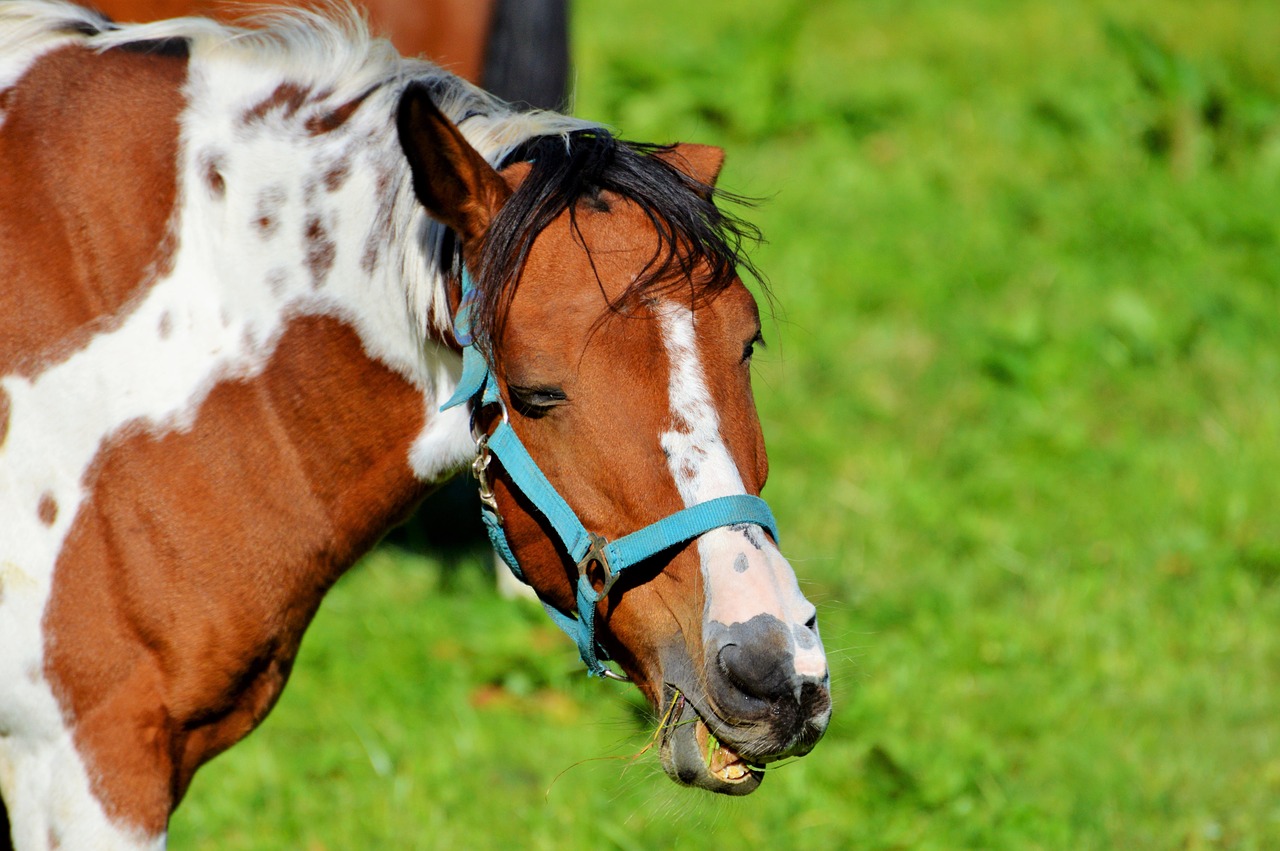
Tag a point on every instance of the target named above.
point(750, 348)
point(536, 402)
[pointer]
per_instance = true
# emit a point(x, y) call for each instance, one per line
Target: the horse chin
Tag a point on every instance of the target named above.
point(692, 756)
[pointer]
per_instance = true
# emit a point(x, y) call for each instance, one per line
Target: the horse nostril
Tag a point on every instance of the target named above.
point(760, 673)
point(758, 657)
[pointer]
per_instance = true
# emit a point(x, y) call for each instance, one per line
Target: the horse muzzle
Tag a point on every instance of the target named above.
point(753, 705)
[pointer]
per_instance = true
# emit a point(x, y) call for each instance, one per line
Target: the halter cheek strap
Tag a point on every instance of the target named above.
point(479, 387)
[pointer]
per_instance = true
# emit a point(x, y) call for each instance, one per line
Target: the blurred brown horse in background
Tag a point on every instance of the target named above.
point(516, 49)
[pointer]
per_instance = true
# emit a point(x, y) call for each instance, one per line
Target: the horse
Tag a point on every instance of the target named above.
point(260, 291)
point(516, 49)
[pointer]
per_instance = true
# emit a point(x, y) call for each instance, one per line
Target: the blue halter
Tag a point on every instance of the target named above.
point(479, 387)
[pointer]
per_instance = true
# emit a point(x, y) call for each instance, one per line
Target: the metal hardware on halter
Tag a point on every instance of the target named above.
point(480, 464)
point(596, 553)
point(610, 674)
point(480, 471)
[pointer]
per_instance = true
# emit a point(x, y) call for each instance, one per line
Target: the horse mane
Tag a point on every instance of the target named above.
point(330, 50)
point(699, 250)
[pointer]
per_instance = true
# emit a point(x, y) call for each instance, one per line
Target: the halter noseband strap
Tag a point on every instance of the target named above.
point(479, 387)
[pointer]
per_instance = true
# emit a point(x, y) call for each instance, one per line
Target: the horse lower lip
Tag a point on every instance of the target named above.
point(692, 756)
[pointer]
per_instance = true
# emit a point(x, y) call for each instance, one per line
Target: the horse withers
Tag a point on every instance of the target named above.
point(237, 271)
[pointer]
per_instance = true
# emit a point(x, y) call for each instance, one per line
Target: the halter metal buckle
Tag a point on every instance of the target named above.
point(480, 464)
point(480, 470)
point(596, 553)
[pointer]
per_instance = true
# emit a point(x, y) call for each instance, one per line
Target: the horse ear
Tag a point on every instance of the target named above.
point(701, 162)
point(452, 181)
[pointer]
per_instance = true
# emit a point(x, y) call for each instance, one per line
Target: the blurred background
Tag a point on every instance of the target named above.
point(1022, 401)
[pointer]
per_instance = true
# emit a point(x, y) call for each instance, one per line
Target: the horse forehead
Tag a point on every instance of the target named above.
point(593, 253)
point(581, 267)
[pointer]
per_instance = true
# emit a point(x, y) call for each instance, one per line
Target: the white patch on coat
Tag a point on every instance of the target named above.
point(703, 470)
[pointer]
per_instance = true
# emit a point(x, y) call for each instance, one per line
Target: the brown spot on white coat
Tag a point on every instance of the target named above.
point(320, 250)
point(211, 168)
point(47, 510)
point(285, 101)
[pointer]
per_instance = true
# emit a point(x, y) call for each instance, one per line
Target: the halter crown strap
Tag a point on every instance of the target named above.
point(478, 386)
point(475, 371)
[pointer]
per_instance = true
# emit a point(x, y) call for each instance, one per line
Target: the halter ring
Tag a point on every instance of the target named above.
point(596, 553)
point(477, 434)
point(480, 471)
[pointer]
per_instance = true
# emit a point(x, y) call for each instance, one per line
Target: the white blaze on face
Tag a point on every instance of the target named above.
point(743, 572)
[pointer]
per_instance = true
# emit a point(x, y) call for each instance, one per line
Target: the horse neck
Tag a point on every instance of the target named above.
point(290, 333)
point(308, 221)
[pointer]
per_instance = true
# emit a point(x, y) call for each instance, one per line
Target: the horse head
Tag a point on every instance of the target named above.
point(616, 339)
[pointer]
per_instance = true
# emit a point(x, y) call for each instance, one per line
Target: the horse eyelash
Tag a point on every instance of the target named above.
point(535, 402)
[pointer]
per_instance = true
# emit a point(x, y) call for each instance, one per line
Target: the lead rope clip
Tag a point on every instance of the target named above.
point(480, 470)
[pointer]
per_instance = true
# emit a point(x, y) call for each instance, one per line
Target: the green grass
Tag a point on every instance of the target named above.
point(1022, 397)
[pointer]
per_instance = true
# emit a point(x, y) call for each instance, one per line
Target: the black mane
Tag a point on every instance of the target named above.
point(700, 247)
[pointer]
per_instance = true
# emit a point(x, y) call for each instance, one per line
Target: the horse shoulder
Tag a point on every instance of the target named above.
point(201, 554)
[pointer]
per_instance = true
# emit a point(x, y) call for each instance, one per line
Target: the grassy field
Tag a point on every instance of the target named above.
point(1022, 397)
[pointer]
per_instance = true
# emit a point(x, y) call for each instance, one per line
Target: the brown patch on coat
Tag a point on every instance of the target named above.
point(381, 228)
point(320, 251)
point(87, 191)
point(200, 556)
point(286, 100)
point(47, 511)
point(267, 210)
point(369, 259)
point(211, 165)
point(337, 173)
point(310, 192)
point(330, 120)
